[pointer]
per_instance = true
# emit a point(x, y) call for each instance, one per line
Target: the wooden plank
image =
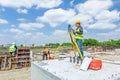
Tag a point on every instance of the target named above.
point(5, 62)
point(0, 62)
point(10, 64)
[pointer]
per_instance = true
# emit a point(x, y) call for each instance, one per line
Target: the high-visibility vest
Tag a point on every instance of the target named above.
point(46, 50)
point(78, 36)
point(12, 48)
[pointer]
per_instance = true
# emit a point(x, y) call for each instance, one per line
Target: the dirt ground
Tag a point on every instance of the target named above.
point(110, 57)
point(16, 74)
point(24, 73)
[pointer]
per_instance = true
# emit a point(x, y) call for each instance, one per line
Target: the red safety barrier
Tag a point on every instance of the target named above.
point(95, 64)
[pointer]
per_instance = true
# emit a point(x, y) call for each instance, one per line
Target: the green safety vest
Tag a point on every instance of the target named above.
point(78, 36)
point(12, 48)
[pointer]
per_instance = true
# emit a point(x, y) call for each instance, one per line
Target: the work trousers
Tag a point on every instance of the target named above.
point(79, 42)
point(13, 53)
point(45, 56)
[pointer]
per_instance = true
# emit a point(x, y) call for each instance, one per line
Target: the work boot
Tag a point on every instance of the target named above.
point(81, 60)
point(78, 59)
point(73, 59)
point(70, 59)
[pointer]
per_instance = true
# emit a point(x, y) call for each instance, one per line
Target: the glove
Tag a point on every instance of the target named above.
point(74, 32)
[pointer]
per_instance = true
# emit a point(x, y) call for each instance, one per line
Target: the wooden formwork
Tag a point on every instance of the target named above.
point(22, 59)
point(5, 62)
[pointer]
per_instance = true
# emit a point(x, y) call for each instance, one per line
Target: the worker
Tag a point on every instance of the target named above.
point(13, 49)
point(79, 35)
point(46, 52)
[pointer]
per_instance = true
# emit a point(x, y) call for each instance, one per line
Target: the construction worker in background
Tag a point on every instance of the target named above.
point(46, 52)
point(79, 35)
point(13, 49)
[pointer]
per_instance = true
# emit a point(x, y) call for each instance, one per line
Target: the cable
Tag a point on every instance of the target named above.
point(63, 39)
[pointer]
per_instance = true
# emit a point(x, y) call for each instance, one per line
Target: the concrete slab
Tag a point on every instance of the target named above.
point(64, 70)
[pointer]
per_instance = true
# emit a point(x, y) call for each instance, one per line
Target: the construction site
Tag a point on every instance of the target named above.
point(102, 63)
point(59, 68)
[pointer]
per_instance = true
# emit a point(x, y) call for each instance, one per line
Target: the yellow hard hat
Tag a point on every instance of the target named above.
point(77, 22)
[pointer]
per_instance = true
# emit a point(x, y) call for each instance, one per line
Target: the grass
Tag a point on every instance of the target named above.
point(34, 49)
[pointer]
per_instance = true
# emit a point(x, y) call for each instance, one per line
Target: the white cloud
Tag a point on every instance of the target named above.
point(5, 30)
point(90, 15)
point(31, 26)
point(85, 19)
point(1, 35)
point(17, 31)
point(57, 36)
point(108, 16)
point(24, 11)
point(94, 7)
point(110, 35)
point(20, 36)
point(85, 31)
point(28, 34)
point(117, 30)
point(38, 37)
point(39, 33)
point(3, 21)
point(13, 25)
point(16, 3)
point(30, 3)
point(71, 2)
point(21, 19)
point(95, 14)
point(48, 4)
point(59, 32)
point(102, 25)
point(56, 16)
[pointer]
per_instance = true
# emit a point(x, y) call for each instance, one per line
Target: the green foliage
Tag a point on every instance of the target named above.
point(55, 45)
point(66, 44)
point(52, 45)
point(90, 42)
point(110, 43)
point(87, 42)
point(21, 45)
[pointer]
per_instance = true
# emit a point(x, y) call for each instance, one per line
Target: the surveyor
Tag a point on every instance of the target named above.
point(13, 49)
point(79, 35)
point(46, 52)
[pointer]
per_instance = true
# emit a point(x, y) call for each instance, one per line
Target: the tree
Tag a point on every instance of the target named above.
point(21, 45)
point(90, 42)
point(53, 45)
point(33, 45)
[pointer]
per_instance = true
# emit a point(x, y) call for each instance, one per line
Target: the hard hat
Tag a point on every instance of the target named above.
point(77, 22)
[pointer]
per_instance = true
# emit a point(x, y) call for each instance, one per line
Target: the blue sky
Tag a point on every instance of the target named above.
point(45, 21)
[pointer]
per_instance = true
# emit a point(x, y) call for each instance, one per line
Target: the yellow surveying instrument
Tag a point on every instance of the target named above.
point(74, 44)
